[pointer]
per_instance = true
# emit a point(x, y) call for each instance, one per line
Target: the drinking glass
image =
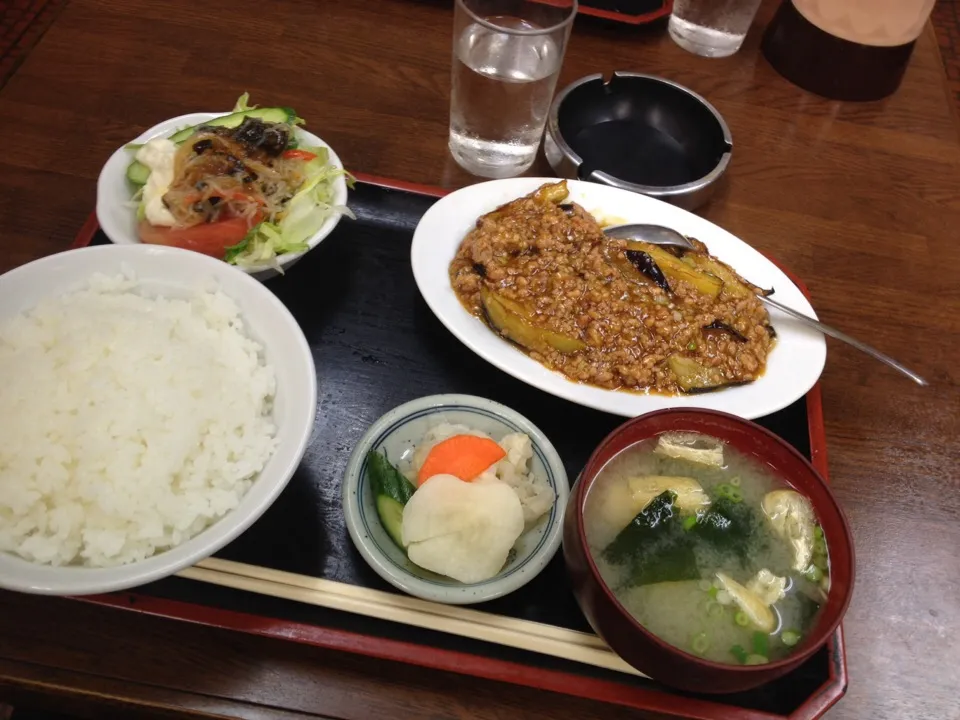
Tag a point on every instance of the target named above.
point(711, 28)
point(506, 59)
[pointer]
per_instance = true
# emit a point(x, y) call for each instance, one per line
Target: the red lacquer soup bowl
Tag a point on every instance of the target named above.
point(642, 649)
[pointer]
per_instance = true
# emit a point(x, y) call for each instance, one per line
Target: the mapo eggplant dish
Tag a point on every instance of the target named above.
point(613, 313)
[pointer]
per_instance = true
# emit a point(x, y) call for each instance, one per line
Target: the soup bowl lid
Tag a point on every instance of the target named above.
point(642, 648)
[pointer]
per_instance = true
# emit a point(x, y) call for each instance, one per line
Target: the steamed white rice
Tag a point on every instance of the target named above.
point(535, 493)
point(128, 424)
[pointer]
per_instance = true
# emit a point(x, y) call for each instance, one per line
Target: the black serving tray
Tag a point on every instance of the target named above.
point(376, 345)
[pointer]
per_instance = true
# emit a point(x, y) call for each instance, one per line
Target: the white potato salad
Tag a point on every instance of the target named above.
point(462, 500)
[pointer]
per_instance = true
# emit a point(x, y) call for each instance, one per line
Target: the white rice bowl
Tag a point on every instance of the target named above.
point(128, 423)
point(131, 448)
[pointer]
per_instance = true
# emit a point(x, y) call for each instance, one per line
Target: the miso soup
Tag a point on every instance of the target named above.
point(707, 549)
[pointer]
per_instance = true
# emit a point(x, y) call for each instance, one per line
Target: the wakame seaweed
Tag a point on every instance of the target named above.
point(728, 524)
point(654, 545)
point(808, 609)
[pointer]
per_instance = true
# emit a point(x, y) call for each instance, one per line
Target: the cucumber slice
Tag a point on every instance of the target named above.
point(391, 515)
point(137, 173)
point(274, 115)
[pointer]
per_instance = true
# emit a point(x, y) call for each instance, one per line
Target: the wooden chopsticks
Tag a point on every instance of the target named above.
point(453, 619)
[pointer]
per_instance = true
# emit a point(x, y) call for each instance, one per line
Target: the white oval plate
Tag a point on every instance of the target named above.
point(792, 368)
point(118, 219)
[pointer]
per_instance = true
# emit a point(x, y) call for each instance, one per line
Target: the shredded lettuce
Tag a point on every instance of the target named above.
point(261, 246)
point(242, 103)
point(136, 203)
point(304, 215)
point(312, 205)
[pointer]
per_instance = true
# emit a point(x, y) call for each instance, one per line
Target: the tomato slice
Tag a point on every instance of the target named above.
point(208, 238)
point(299, 155)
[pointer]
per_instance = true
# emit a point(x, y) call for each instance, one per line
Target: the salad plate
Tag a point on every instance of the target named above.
point(793, 367)
point(119, 207)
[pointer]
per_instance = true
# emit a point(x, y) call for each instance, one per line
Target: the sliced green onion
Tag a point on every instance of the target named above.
point(819, 546)
point(817, 532)
point(729, 491)
point(735, 481)
point(761, 643)
point(813, 573)
point(704, 585)
point(756, 660)
point(790, 637)
point(712, 592)
point(691, 345)
point(689, 522)
point(820, 561)
point(700, 643)
point(741, 618)
point(739, 653)
point(714, 609)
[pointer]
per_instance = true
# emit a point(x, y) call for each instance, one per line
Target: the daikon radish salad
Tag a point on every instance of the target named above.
point(460, 501)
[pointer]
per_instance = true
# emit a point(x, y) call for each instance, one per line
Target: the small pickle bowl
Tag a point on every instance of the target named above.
point(638, 646)
point(640, 133)
point(396, 434)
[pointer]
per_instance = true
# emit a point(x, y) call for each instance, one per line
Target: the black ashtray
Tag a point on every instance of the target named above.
point(640, 133)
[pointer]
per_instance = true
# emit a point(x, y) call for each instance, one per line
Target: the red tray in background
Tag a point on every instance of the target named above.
point(629, 12)
point(626, 12)
point(378, 242)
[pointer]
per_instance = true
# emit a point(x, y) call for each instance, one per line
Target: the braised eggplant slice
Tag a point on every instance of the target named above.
point(620, 260)
point(676, 270)
point(695, 377)
point(718, 326)
point(733, 283)
point(513, 322)
point(553, 194)
point(645, 264)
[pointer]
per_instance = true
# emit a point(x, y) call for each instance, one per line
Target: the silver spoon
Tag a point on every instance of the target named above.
point(660, 235)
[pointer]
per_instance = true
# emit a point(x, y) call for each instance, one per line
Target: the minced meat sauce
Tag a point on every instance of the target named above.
point(545, 276)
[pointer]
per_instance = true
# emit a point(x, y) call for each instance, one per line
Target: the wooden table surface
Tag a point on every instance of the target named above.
point(862, 201)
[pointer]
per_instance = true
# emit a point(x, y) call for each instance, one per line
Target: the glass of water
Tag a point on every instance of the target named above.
point(506, 59)
point(712, 28)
